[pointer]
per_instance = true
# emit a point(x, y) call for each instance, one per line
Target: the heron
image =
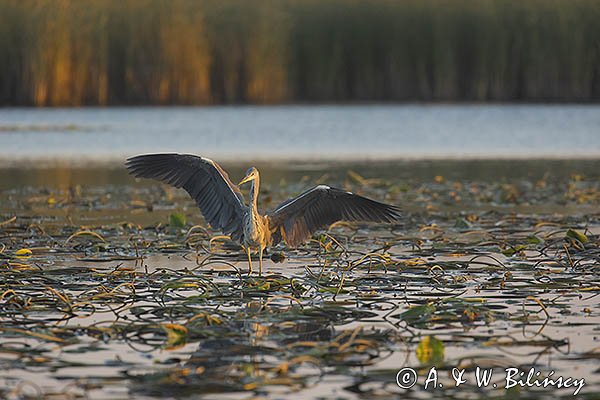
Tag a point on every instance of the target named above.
point(222, 204)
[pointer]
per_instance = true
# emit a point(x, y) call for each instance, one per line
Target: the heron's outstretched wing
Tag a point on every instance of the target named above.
point(219, 199)
point(295, 220)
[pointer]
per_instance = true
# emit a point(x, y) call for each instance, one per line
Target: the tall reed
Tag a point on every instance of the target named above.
point(110, 52)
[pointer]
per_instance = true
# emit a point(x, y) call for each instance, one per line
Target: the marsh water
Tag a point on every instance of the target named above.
point(304, 132)
point(116, 288)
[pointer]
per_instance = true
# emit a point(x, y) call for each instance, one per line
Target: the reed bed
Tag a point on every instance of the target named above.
point(111, 52)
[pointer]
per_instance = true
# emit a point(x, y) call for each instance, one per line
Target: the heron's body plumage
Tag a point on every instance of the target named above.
point(223, 207)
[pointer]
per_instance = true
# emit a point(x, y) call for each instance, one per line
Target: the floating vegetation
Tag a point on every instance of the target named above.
point(115, 292)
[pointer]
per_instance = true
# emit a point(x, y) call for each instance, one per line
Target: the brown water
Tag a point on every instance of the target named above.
point(495, 265)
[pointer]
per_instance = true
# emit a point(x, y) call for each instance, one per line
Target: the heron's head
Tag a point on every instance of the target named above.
point(251, 175)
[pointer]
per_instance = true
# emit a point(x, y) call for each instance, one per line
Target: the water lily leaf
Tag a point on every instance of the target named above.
point(462, 223)
point(417, 313)
point(430, 350)
point(177, 220)
point(23, 253)
point(513, 250)
point(534, 239)
point(176, 335)
point(573, 234)
point(181, 284)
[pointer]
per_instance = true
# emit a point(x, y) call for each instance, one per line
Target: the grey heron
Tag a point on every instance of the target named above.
point(222, 204)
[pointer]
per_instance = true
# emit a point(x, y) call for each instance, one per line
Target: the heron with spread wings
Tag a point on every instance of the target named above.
point(223, 207)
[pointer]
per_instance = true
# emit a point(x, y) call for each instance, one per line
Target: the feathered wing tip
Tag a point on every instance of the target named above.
point(396, 212)
point(376, 211)
point(154, 166)
point(205, 181)
point(297, 219)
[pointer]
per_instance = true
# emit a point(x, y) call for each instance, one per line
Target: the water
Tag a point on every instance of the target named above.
point(486, 256)
point(304, 132)
point(479, 252)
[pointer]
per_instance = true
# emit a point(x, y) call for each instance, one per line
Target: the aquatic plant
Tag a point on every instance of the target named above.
point(205, 52)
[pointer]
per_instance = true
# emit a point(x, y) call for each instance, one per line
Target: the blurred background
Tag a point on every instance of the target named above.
point(115, 52)
point(417, 78)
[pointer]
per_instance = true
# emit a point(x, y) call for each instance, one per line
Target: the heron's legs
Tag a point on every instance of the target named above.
point(260, 261)
point(249, 261)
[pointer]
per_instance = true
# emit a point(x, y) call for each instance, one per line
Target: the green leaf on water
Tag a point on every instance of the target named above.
point(176, 336)
point(417, 313)
point(181, 284)
point(177, 220)
point(23, 253)
point(533, 239)
point(573, 234)
point(462, 223)
point(430, 351)
point(511, 251)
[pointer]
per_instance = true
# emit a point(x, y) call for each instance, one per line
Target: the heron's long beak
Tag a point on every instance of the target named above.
point(247, 178)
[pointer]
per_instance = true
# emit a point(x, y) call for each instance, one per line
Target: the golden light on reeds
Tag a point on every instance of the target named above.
point(99, 52)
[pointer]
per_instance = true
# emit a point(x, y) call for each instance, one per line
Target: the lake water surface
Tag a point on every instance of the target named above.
point(116, 288)
point(301, 132)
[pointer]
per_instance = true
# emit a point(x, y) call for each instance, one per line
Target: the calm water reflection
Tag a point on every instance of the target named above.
point(64, 175)
point(325, 132)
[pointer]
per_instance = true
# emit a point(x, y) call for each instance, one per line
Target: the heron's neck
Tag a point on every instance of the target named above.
point(254, 188)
